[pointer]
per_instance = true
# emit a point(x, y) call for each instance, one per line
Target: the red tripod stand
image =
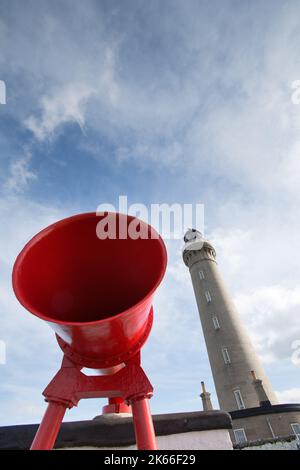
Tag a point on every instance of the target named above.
point(70, 385)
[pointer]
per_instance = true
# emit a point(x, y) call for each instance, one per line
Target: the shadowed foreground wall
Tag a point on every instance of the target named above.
point(198, 430)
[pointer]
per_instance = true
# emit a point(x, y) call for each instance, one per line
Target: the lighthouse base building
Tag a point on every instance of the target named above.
point(265, 423)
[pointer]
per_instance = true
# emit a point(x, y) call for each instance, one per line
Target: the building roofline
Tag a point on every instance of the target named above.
point(265, 410)
point(114, 431)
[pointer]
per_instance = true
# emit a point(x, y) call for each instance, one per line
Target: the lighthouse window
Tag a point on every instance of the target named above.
point(208, 296)
point(239, 399)
point(201, 274)
point(296, 430)
point(240, 436)
point(226, 356)
point(216, 323)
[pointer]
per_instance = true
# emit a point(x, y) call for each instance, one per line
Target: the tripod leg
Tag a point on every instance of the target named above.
point(143, 425)
point(48, 429)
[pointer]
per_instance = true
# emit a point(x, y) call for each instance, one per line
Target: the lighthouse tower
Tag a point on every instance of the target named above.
point(242, 386)
point(239, 377)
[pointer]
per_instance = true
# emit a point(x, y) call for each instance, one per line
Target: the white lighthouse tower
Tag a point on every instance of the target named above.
point(240, 380)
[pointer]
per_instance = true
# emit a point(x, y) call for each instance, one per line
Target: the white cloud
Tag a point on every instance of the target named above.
point(261, 273)
point(68, 101)
point(291, 395)
point(20, 175)
point(62, 106)
point(28, 340)
point(232, 247)
point(266, 310)
point(25, 401)
point(173, 112)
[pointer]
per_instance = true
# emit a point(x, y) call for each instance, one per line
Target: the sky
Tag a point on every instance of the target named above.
point(173, 101)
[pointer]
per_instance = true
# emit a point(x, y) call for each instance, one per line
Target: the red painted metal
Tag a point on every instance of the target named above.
point(70, 385)
point(97, 296)
point(116, 405)
point(143, 425)
point(49, 427)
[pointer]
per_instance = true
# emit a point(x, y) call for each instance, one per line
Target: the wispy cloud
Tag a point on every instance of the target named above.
point(20, 175)
point(65, 105)
point(267, 310)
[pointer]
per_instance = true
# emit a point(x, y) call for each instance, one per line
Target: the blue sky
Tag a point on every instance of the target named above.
point(165, 102)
